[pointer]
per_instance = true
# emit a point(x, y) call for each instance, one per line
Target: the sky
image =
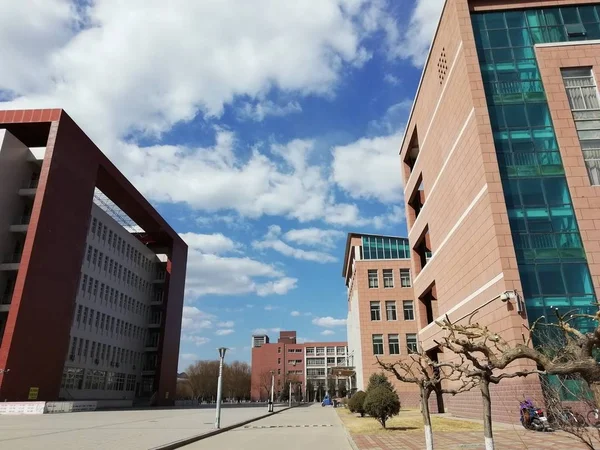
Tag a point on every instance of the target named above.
point(263, 131)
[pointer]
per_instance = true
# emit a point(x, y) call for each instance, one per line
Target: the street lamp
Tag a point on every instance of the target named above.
point(222, 351)
point(270, 405)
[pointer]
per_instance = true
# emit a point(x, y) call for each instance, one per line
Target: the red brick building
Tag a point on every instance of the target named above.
point(91, 277)
point(307, 364)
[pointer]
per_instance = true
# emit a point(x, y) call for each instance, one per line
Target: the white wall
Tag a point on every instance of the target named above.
point(91, 301)
point(354, 339)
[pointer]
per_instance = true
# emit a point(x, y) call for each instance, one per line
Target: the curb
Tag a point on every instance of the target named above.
point(348, 435)
point(190, 440)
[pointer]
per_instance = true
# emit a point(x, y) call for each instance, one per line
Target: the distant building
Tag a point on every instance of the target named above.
point(91, 276)
point(309, 364)
point(381, 308)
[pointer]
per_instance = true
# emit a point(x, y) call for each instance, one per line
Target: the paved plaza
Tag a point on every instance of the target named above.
point(123, 429)
point(306, 427)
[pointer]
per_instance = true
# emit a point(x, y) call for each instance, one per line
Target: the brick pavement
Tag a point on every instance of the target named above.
point(517, 439)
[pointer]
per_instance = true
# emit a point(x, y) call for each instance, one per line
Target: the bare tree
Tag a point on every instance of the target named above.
point(488, 355)
point(428, 375)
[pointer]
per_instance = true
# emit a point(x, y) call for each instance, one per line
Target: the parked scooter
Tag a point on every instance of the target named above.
point(533, 418)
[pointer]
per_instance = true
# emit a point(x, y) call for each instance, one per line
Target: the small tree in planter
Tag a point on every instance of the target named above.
point(356, 403)
point(381, 403)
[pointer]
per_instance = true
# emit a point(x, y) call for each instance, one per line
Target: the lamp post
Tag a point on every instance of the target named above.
point(222, 351)
point(270, 406)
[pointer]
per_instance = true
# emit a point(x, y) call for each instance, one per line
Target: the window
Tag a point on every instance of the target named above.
point(83, 283)
point(330, 360)
point(409, 309)
point(104, 228)
point(341, 350)
point(85, 349)
point(375, 311)
point(411, 343)
point(72, 378)
point(91, 317)
point(373, 279)
point(378, 344)
point(90, 284)
point(95, 287)
point(394, 344)
point(585, 106)
point(315, 372)
point(388, 278)
point(331, 350)
point(390, 310)
point(376, 247)
point(100, 257)
point(278, 371)
point(95, 257)
point(310, 351)
point(85, 315)
point(278, 360)
point(89, 253)
point(320, 351)
point(78, 317)
point(315, 361)
point(405, 278)
point(110, 238)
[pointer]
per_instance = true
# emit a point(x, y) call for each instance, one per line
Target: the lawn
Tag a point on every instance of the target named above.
point(409, 420)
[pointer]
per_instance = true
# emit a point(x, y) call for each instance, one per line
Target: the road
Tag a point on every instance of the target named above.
point(306, 427)
point(123, 429)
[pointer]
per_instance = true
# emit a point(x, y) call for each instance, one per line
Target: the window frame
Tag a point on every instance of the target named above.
point(370, 278)
point(376, 310)
point(375, 349)
point(394, 310)
point(412, 309)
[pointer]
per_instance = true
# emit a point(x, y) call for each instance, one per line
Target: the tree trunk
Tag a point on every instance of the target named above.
point(487, 413)
point(425, 393)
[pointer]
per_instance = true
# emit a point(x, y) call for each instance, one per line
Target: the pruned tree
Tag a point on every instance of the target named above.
point(488, 356)
point(417, 368)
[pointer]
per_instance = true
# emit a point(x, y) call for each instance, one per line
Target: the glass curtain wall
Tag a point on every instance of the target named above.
point(552, 263)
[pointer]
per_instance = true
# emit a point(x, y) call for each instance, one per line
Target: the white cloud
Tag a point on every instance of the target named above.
point(209, 243)
point(227, 324)
point(272, 241)
point(271, 308)
point(303, 340)
point(327, 332)
point(218, 275)
point(265, 330)
point(194, 319)
point(295, 313)
point(262, 109)
point(379, 165)
point(249, 306)
point(194, 339)
point(414, 41)
point(328, 322)
point(391, 79)
point(224, 331)
point(314, 236)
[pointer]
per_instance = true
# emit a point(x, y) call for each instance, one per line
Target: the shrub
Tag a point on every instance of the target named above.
point(356, 403)
point(379, 379)
point(381, 403)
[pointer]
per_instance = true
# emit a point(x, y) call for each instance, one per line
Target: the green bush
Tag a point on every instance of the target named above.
point(381, 403)
point(356, 403)
point(379, 379)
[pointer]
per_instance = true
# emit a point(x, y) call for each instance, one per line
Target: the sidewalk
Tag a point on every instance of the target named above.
point(407, 434)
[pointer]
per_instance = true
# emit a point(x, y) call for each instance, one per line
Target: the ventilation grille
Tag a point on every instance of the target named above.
point(442, 66)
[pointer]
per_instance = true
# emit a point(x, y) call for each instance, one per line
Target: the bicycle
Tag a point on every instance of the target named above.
point(567, 417)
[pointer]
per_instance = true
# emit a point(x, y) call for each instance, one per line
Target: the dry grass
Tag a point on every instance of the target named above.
point(409, 420)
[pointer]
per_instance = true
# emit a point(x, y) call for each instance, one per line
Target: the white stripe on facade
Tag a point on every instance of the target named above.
point(422, 143)
point(454, 228)
point(482, 289)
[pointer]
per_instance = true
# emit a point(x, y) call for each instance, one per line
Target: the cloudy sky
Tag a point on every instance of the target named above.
point(263, 130)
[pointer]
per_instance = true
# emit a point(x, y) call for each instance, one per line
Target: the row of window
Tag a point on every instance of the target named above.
point(73, 378)
point(119, 271)
point(294, 350)
point(113, 297)
point(102, 353)
point(295, 372)
point(390, 310)
point(315, 372)
point(394, 343)
point(322, 350)
point(388, 278)
point(101, 232)
point(321, 361)
point(377, 247)
point(105, 323)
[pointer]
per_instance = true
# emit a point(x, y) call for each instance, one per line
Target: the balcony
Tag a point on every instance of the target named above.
point(21, 225)
point(5, 302)
point(29, 189)
point(11, 262)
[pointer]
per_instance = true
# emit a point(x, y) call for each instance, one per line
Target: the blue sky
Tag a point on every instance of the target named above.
point(263, 131)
